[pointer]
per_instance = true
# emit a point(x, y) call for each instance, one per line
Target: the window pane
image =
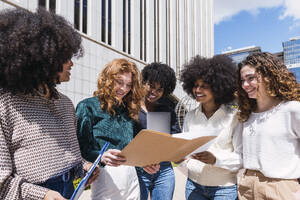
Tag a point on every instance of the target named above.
point(129, 23)
point(42, 3)
point(103, 20)
point(109, 22)
point(84, 16)
point(124, 25)
point(52, 5)
point(76, 14)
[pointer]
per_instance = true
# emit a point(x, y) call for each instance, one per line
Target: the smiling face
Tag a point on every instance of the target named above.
point(252, 83)
point(123, 84)
point(64, 76)
point(202, 92)
point(153, 92)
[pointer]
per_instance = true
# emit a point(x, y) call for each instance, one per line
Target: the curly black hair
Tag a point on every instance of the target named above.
point(33, 49)
point(160, 73)
point(219, 72)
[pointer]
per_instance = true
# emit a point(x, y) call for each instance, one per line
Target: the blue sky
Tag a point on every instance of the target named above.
point(264, 23)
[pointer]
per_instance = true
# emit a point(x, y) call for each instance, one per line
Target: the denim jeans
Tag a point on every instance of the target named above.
point(160, 185)
point(194, 191)
point(62, 185)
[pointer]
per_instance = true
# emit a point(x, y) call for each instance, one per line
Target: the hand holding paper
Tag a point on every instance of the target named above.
point(205, 157)
point(152, 169)
point(195, 134)
point(152, 147)
point(112, 158)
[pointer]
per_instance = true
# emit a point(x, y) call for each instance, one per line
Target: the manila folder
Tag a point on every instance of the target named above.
point(152, 147)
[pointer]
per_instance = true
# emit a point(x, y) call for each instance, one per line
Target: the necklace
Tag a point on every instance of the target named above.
point(262, 117)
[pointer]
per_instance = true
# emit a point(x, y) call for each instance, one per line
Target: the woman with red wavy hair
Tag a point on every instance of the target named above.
point(270, 112)
point(111, 116)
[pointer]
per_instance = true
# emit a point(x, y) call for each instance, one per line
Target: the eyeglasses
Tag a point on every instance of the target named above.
point(154, 88)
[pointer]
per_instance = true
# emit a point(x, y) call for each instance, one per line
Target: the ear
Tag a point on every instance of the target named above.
point(259, 78)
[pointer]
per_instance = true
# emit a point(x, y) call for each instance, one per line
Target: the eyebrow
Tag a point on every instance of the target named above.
point(249, 74)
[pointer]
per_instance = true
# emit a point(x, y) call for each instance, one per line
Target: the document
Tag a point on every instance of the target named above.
point(195, 134)
point(81, 185)
point(152, 147)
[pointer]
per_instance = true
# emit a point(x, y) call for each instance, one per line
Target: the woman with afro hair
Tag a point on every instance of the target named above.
point(268, 100)
point(159, 81)
point(39, 154)
point(212, 83)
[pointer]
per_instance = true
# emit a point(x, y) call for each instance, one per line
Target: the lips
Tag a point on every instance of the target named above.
point(151, 97)
point(250, 91)
point(199, 95)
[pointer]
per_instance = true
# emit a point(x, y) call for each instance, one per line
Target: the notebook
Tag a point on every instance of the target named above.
point(159, 121)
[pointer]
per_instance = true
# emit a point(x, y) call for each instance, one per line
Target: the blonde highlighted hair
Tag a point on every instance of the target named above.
point(106, 84)
point(279, 82)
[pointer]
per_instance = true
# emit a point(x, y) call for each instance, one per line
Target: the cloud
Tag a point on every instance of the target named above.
point(292, 9)
point(226, 9)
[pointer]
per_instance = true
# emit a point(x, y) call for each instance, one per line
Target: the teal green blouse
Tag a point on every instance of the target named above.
point(95, 126)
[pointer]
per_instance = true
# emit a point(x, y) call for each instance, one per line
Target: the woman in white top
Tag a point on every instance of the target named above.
point(212, 83)
point(270, 111)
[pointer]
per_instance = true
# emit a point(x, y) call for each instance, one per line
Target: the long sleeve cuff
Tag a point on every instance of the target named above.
point(34, 192)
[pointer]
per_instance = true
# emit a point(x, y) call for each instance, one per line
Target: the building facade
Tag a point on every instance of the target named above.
point(144, 31)
point(238, 55)
point(291, 55)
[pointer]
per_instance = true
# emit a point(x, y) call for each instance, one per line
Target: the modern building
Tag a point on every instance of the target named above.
point(279, 55)
point(144, 31)
point(291, 54)
point(239, 55)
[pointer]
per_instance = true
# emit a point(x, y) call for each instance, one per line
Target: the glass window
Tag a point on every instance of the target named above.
point(84, 16)
point(126, 26)
point(81, 15)
point(109, 23)
point(103, 21)
point(42, 3)
point(52, 5)
point(49, 5)
point(76, 14)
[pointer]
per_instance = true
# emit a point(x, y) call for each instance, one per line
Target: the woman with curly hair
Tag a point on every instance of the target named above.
point(39, 154)
point(212, 83)
point(159, 81)
point(270, 111)
point(111, 115)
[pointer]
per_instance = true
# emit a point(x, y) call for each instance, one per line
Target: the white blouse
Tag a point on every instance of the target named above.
point(226, 148)
point(271, 141)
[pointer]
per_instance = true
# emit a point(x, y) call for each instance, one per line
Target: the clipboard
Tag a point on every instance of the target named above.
point(152, 147)
point(81, 186)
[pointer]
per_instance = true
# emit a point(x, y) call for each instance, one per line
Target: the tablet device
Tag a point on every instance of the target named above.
point(159, 121)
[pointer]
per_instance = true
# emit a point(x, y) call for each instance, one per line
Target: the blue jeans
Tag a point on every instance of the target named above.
point(160, 185)
point(194, 191)
point(63, 185)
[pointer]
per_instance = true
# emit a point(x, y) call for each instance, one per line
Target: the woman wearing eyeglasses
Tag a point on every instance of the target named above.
point(159, 80)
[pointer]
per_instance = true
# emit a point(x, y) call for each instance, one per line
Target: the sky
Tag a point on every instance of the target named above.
point(263, 23)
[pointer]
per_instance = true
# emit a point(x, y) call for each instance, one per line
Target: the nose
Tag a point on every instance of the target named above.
point(124, 87)
point(70, 62)
point(198, 89)
point(245, 83)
